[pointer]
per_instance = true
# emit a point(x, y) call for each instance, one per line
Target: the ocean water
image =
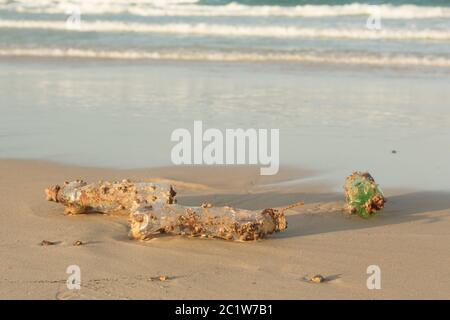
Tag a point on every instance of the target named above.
point(110, 90)
point(410, 33)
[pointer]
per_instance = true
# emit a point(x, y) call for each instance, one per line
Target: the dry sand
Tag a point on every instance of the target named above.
point(409, 241)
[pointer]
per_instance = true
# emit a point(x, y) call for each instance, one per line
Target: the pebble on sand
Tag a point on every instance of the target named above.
point(317, 279)
point(160, 278)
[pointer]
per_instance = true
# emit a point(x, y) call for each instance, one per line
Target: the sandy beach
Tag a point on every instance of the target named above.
point(409, 241)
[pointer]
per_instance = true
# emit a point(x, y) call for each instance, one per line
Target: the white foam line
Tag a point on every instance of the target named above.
point(369, 60)
point(218, 30)
point(190, 8)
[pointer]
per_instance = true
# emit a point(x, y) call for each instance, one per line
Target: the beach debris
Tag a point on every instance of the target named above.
point(206, 221)
point(317, 279)
point(47, 243)
point(152, 210)
point(161, 278)
point(78, 243)
point(362, 194)
point(107, 197)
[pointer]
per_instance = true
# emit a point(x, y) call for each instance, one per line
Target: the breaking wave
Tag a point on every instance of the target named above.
point(193, 8)
point(222, 30)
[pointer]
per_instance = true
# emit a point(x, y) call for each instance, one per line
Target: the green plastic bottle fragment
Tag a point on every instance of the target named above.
point(363, 195)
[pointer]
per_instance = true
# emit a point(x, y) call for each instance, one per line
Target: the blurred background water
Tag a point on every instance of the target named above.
point(411, 32)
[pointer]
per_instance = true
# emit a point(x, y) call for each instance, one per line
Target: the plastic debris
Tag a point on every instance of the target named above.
point(363, 195)
point(150, 219)
point(152, 210)
point(107, 197)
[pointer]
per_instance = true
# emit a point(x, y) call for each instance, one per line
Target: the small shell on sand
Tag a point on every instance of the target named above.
point(160, 278)
point(317, 279)
point(78, 243)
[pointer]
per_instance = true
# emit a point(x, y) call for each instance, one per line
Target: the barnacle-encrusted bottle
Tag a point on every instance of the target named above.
point(148, 220)
point(107, 197)
point(363, 195)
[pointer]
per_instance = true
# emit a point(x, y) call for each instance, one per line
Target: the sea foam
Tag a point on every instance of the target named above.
point(192, 8)
point(228, 30)
point(206, 55)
